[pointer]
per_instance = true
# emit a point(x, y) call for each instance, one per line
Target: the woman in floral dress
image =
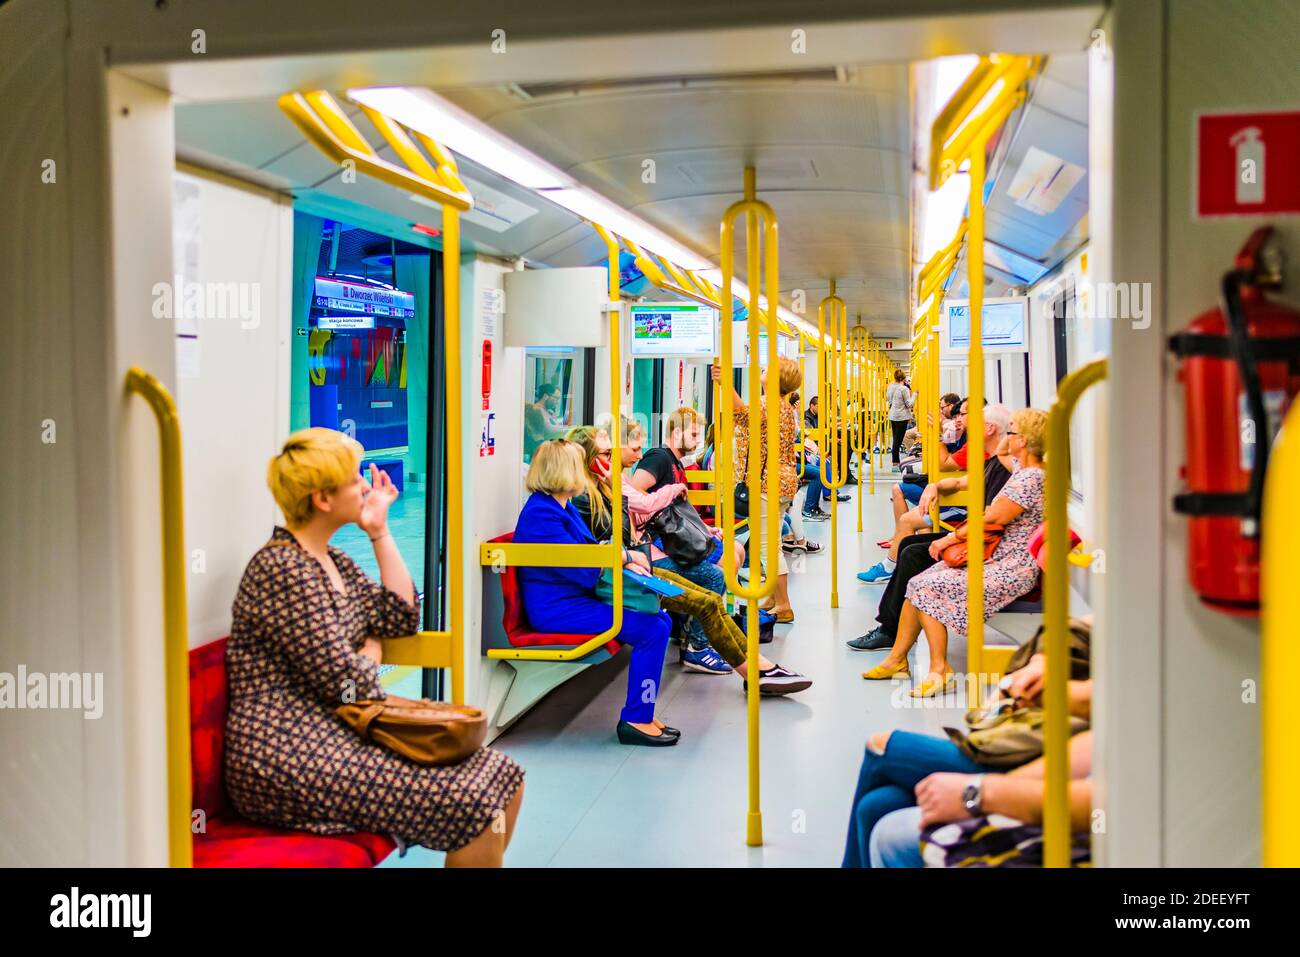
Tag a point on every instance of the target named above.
point(937, 598)
point(304, 641)
point(788, 424)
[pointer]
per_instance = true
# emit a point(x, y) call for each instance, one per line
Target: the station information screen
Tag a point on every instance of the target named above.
point(677, 329)
point(1004, 326)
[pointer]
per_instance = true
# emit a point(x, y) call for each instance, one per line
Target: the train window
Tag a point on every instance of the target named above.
point(554, 394)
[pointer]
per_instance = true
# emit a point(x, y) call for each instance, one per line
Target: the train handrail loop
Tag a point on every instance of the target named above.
point(329, 129)
point(831, 369)
point(1279, 652)
point(176, 640)
point(1056, 613)
point(529, 554)
point(764, 538)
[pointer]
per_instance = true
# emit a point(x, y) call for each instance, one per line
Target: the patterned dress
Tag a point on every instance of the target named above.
point(940, 591)
point(290, 762)
point(786, 443)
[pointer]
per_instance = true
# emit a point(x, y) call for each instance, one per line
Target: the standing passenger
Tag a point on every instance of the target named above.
point(900, 400)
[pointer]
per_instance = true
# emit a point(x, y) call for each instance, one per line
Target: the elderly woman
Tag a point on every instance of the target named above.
point(563, 600)
point(937, 598)
point(304, 642)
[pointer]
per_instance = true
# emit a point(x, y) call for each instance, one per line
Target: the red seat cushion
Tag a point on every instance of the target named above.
point(230, 840)
point(240, 843)
point(519, 632)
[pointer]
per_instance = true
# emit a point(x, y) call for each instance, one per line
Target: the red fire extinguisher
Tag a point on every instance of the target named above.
point(1240, 372)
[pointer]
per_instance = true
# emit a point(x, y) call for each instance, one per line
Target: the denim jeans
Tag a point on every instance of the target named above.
point(706, 575)
point(896, 839)
point(886, 783)
point(813, 497)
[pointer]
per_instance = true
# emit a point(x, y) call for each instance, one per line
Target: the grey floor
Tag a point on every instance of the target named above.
point(593, 802)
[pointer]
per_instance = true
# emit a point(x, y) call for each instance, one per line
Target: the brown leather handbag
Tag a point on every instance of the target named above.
point(957, 554)
point(427, 732)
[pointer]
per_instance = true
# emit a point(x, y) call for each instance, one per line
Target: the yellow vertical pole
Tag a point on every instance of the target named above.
point(1056, 614)
point(833, 456)
point(615, 429)
point(975, 438)
point(859, 339)
point(456, 624)
point(765, 537)
point(1280, 652)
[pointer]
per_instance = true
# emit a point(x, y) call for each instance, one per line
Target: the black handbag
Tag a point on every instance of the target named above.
point(742, 500)
point(681, 532)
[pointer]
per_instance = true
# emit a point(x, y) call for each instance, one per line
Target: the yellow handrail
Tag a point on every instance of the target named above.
point(520, 554)
point(764, 537)
point(832, 367)
point(955, 140)
point(859, 340)
point(326, 126)
point(1056, 613)
point(176, 641)
point(1280, 652)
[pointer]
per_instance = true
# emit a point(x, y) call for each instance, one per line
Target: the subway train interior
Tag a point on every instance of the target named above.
point(510, 265)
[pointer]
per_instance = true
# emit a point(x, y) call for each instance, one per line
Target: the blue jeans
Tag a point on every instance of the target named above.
point(886, 783)
point(813, 497)
point(896, 840)
point(706, 575)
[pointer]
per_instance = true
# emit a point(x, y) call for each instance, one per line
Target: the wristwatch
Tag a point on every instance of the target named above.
point(972, 796)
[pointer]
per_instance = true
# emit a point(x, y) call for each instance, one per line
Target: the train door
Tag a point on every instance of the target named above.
point(367, 324)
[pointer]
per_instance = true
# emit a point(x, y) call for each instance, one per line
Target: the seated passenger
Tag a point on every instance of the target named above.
point(951, 433)
point(916, 519)
point(936, 599)
point(908, 491)
point(710, 626)
point(305, 640)
point(663, 466)
point(563, 600)
point(895, 764)
point(941, 798)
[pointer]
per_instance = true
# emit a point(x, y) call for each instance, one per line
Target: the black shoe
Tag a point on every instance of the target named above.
point(873, 640)
point(843, 498)
point(630, 735)
point(777, 680)
point(817, 516)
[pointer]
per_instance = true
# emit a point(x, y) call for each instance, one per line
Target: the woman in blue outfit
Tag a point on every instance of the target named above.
point(563, 600)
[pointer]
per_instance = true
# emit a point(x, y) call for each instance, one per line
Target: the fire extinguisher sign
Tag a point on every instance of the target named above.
point(1246, 163)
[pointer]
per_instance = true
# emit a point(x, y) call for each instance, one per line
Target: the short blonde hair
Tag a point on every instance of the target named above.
point(791, 377)
point(1031, 425)
point(312, 460)
point(557, 468)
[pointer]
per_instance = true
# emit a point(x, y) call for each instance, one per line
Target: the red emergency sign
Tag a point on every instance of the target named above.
point(1246, 163)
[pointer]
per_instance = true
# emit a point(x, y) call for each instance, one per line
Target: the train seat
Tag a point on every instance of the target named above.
point(501, 588)
point(228, 839)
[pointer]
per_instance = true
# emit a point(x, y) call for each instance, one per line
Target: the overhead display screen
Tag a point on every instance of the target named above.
point(677, 329)
point(1004, 326)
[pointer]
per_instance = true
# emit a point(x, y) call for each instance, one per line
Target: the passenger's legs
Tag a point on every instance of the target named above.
point(648, 636)
point(489, 847)
point(895, 841)
point(914, 558)
point(900, 429)
point(707, 576)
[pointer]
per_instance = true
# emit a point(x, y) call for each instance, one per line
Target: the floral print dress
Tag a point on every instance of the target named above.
point(940, 591)
point(290, 761)
point(789, 423)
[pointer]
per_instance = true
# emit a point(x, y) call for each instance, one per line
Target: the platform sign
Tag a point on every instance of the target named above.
point(1246, 164)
